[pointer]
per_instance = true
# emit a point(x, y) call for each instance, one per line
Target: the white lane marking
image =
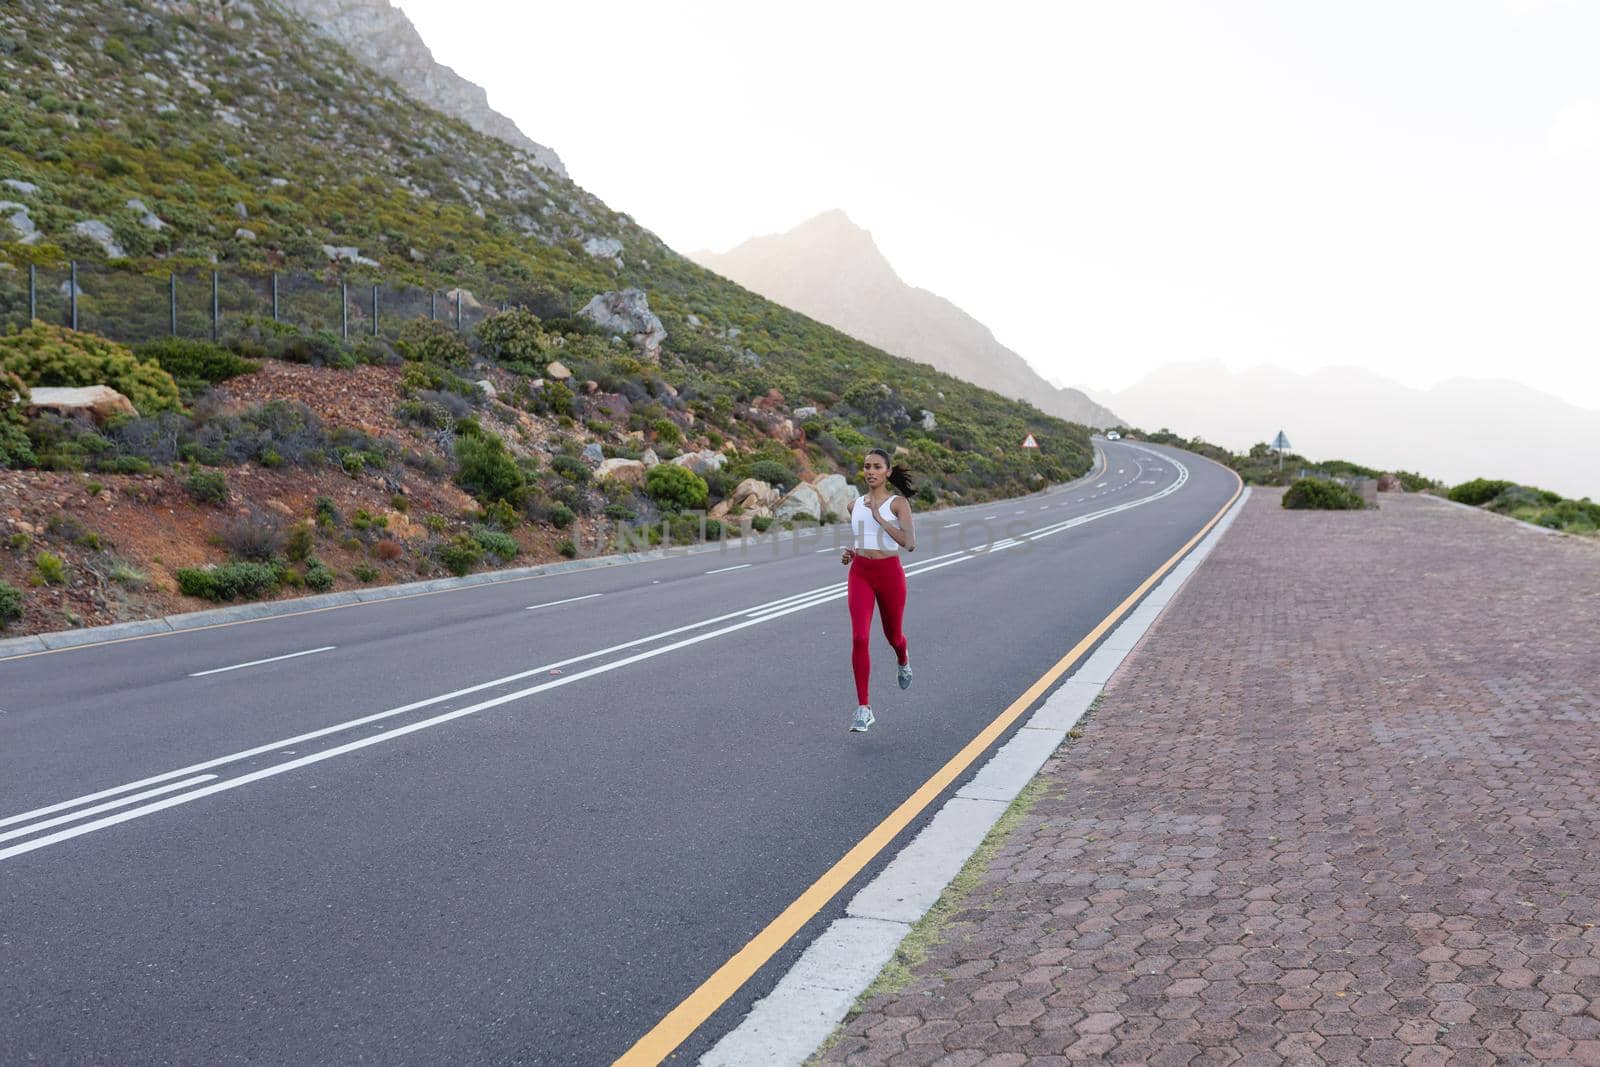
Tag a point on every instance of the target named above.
point(98, 808)
point(735, 567)
point(775, 609)
point(986, 518)
point(259, 662)
point(1101, 485)
point(820, 551)
point(950, 525)
point(569, 600)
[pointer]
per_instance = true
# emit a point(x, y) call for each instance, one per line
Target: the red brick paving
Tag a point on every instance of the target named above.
point(1339, 807)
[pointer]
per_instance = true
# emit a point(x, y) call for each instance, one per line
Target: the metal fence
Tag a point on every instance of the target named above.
point(130, 307)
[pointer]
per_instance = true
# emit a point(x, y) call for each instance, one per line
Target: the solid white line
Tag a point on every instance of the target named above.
point(735, 567)
point(98, 808)
point(569, 600)
point(259, 662)
point(795, 602)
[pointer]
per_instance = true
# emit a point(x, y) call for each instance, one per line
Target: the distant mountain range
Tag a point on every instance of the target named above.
point(830, 269)
point(1459, 429)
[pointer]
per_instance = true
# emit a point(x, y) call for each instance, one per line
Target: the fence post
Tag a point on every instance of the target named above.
point(374, 310)
point(458, 309)
point(433, 305)
point(72, 292)
point(274, 296)
point(172, 303)
point(214, 307)
point(33, 293)
point(344, 312)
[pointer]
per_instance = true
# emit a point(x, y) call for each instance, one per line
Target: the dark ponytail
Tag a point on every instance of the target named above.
point(899, 477)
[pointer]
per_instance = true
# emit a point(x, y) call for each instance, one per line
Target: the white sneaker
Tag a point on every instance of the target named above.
point(864, 719)
point(905, 676)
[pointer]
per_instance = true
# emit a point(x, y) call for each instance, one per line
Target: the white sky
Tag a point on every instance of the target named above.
point(1412, 187)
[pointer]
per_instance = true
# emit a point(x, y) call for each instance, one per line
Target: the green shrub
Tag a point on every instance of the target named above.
point(567, 549)
point(366, 572)
point(495, 542)
point(667, 430)
point(427, 341)
point(16, 451)
point(400, 503)
point(571, 468)
point(299, 542)
point(1479, 491)
point(435, 523)
point(460, 555)
point(318, 576)
point(500, 515)
point(515, 336)
point(49, 569)
point(328, 516)
point(10, 604)
point(676, 488)
point(44, 355)
point(487, 470)
point(232, 581)
point(772, 472)
point(561, 516)
point(207, 487)
point(1322, 495)
point(761, 522)
point(194, 364)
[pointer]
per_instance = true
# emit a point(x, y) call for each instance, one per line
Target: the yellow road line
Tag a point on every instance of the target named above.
point(695, 1009)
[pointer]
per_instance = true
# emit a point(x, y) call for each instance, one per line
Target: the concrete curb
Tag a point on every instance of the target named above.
point(786, 1026)
point(1493, 514)
point(56, 640)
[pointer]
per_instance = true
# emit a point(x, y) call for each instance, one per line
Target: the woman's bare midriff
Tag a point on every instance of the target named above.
point(873, 553)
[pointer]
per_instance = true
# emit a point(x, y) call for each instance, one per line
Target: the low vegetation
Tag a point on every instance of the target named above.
point(1319, 494)
point(1541, 507)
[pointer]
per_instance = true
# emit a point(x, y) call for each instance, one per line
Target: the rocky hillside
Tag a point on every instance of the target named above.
point(383, 38)
point(625, 386)
point(831, 269)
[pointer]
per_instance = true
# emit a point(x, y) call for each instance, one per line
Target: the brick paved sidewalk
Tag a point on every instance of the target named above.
point(1339, 807)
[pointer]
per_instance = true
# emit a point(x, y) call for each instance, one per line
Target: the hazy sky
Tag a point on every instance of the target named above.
point(1413, 187)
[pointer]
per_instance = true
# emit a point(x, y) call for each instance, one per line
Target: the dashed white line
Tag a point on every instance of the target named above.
point(569, 600)
point(735, 567)
point(950, 525)
point(259, 662)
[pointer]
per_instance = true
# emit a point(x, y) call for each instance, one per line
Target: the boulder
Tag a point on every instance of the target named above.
point(719, 510)
point(594, 453)
point(352, 254)
point(98, 401)
point(1390, 483)
point(803, 499)
point(558, 371)
point(591, 387)
point(701, 462)
point(20, 186)
point(147, 217)
point(838, 495)
point(604, 248)
point(753, 492)
point(488, 388)
point(100, 234)
point(928, 421)
point(467, 299)
point(627, 311)
point(244, 233)
point(804, 413)
point(17, 215)
point(626, 471)
point(650, 459)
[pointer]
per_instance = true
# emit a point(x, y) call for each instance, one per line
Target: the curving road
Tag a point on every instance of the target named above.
point(509, 823)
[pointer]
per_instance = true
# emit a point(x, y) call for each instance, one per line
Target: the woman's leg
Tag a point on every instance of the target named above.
point(859, 596)
point(891, 590)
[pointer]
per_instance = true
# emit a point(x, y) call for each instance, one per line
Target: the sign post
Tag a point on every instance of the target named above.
point(1281, 443)
point(1029, 442)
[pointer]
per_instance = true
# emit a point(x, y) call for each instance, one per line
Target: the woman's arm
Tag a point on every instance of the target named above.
point(905, 536)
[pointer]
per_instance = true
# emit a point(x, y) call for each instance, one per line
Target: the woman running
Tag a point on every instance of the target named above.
point(881, 523)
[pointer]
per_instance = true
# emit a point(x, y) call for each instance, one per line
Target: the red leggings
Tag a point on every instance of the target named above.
point(882, 580)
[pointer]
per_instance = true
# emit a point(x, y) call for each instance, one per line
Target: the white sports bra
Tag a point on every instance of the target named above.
point(867, 533)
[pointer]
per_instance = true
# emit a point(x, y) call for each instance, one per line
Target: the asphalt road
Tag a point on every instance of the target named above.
point(509, 823)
